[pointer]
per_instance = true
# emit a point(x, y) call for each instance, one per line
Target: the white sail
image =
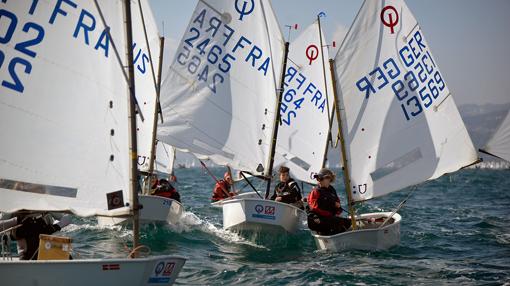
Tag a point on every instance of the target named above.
point(303, 135)
point(499, 144)
point(402, 126)
point(63, 107)
point(144, 77)
point(219, 95)
point(165, 158)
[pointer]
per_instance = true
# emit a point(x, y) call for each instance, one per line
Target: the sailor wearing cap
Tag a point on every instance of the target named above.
point(324, 203)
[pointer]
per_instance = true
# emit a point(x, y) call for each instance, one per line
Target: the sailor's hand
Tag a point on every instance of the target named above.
point(64, 221)
point(278, 199)
point(317, 220)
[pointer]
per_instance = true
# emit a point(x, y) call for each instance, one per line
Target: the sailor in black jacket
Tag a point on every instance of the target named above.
point(287, 191)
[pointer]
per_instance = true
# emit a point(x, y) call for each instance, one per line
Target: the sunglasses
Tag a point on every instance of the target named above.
point(322, 178)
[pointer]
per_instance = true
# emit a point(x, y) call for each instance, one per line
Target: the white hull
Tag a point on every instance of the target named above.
point(261, 215)
point(247, 195)
point(155, 209)
point(369, 237)
point(157, 270)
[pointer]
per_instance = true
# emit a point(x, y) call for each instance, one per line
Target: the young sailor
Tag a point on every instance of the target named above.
point(32, 225)
point(287, 191)
point(166, 190)
point(222, 188)
point(324, 215)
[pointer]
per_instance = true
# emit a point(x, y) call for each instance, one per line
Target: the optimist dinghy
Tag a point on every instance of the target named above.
point(79, 108)
point(154, 208)
point(399, 124)
point(259, 215)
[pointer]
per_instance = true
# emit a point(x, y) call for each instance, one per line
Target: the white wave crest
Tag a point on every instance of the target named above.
point(189, 222)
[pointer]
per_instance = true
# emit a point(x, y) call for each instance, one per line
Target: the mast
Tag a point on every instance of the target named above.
point(132, 126)
point(347, 178)
point(277, 121)
point(325, 91)
point(152, 156)
point(173, 163)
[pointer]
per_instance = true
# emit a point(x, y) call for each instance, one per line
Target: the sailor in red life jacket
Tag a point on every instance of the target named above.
point(166, 190)
point(222, 188)
point(324, 214)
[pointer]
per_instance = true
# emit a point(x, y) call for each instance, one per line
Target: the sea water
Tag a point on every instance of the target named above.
point(454, 231)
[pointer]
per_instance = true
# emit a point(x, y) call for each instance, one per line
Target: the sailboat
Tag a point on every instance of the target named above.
point(168, 210)
point(305, 109)
point(499, 144)
point(73, 144)
point(148, 52)
point(399, 125)
point(221, 100)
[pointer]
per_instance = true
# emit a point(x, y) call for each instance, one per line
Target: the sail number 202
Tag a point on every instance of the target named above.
point(16, 65)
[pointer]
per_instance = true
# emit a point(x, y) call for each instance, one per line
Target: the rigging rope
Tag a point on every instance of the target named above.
point(398, 207)
point(131, 92)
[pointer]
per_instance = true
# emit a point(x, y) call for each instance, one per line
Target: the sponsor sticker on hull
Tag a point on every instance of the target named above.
point(265, 212)
point(162, 273)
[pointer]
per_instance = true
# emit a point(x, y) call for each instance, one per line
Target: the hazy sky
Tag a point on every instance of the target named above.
point(470, 39)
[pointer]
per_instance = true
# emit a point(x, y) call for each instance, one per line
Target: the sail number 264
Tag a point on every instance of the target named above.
point(17, 64)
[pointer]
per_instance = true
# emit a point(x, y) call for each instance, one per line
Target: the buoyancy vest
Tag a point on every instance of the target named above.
point(327, 199)
point(289, 191)
point(219, 193)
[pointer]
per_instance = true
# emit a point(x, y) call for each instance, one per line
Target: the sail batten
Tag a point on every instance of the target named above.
point(402, 124)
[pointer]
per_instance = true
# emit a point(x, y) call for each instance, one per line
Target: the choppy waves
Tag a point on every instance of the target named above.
point(454, 231)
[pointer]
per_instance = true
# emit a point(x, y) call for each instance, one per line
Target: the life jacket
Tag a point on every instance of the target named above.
point(284, 188)
point(167, 192)
point(288, 191)
point(219, 193)
point(327, 199)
